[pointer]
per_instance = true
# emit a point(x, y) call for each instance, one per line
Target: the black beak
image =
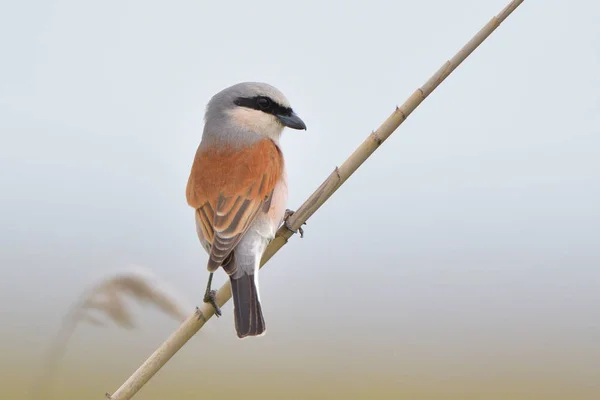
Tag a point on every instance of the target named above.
point(292, 121)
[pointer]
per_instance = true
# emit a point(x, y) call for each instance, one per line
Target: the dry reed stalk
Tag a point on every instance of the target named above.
point(197, 320)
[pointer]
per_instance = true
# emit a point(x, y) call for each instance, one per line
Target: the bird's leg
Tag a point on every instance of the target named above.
point(210, 296)
point(287, 215)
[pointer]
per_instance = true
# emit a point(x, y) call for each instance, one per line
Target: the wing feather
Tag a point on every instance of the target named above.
point(228, 188)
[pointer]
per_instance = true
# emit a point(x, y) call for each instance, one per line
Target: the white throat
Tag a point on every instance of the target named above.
point(256, 121)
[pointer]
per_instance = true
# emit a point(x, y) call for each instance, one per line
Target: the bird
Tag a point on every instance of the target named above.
point(238, 189)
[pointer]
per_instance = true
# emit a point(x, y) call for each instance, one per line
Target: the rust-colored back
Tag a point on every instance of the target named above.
point(228, 187)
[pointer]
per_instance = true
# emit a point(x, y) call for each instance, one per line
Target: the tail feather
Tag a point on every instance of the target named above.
point(249, 320)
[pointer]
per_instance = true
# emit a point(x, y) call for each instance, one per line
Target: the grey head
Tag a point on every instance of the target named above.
point(249, 109)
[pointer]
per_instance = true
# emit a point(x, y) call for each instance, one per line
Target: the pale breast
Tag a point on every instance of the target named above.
point(279, 203)
point(266, 224)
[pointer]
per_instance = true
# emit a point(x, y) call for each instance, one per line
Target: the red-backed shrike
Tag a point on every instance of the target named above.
point(238, 188)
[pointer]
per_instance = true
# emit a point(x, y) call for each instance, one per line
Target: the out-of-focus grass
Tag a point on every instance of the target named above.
point(281, 385)
point(107, 298)
point(192, 375)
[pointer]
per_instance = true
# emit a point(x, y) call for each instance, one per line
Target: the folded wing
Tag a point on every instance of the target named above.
point(228, 187)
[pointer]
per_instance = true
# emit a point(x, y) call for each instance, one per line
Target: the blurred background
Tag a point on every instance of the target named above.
point(461, 260)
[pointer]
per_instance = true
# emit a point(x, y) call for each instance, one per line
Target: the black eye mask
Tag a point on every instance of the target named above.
point(264, 104)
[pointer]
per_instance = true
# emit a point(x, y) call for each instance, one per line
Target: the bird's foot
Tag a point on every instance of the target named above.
point(287, 215)
point(211, 298)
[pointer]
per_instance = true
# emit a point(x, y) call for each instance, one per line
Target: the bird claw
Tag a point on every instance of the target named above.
point(287, 215)
point(211, 298)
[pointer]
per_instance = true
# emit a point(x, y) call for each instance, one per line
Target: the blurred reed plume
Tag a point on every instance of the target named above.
point(107, 299)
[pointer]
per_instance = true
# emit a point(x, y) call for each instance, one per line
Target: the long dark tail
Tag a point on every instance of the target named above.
point(249, 320)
